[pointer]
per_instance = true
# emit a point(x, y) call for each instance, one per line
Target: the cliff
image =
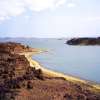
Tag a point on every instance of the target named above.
point(84, 41)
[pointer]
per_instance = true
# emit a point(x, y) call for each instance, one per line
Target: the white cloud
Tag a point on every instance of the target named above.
point(38, 5)
point(10, 8)
point(71, 5)
point(61, 2)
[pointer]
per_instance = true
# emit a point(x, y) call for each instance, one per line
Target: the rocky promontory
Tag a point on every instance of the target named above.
point(20, 81)
point(84, 41)
point(15, 70)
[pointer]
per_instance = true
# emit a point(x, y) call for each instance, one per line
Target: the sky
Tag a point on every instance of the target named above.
point(49, 18)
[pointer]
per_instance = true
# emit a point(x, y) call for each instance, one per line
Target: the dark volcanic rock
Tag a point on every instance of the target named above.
point(84, 41)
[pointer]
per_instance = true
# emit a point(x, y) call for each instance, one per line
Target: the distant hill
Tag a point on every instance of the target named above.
point(84, 41)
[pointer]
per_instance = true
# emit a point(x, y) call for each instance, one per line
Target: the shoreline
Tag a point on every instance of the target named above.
point(52, 73)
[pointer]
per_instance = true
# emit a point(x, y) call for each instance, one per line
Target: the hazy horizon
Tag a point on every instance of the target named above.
point(3, 37)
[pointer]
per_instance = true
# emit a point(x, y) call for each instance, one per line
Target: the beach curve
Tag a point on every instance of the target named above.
point(52, 73)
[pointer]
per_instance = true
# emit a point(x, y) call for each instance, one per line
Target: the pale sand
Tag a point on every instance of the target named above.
point(35, 64)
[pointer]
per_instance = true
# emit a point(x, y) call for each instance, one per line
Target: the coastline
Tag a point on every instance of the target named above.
point(52, 73)
point(24, 78)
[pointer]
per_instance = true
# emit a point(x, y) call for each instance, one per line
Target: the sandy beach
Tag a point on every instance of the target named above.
point(52, 73)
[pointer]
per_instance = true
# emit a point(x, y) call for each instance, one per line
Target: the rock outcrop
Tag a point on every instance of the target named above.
point(84, 41)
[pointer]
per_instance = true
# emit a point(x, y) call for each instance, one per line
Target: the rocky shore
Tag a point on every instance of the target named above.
point(21, 78)
point(84, 41)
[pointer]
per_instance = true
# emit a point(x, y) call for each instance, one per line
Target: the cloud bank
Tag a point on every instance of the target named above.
point(9, 8)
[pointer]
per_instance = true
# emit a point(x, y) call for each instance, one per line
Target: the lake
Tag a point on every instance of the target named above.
point(79, 61)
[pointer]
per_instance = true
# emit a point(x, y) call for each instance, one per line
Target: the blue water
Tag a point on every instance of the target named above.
point(79, 61)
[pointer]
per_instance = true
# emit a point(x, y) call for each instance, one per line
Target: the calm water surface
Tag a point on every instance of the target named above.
point(79, 61)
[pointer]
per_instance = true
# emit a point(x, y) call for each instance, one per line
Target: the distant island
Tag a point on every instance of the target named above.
point(84, 41)
point(22, 78)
